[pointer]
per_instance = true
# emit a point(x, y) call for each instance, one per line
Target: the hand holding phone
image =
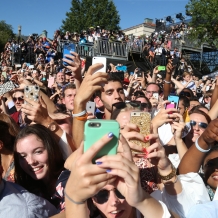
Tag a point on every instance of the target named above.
point(173, 102)
point(95, 130)
point(100, 60)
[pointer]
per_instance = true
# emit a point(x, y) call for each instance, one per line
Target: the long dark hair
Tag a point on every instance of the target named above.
point(55, 162)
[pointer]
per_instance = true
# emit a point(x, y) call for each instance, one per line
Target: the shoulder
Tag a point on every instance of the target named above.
point(15, 197)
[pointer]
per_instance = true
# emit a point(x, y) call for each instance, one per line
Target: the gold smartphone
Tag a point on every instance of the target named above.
point(143, 121)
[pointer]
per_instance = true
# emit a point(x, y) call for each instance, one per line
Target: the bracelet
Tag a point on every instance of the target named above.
point(82, 118)
point(167, 82)
point(199, 148)
point(69, 198)
point(171, 182)
point(79, 114)
point(169, 176)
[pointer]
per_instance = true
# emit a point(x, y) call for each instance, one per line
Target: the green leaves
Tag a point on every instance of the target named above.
point(86, 13)
point(204, 20)
point(6, 32)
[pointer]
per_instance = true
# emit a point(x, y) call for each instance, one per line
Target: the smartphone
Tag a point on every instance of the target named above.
point(156, 95)
point(139, 73)
point(101, 60)
point(174, 102)
point(95, 130)
point(90, 107)
point(119, 74)
point(31, 67)
point(32, 92)
point(160, 68)
point(143, 121)
point(121, 68)
point(6, 87)
point(68, 47)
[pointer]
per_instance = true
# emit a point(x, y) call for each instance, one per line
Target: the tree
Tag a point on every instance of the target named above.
point(204, 21)
point(6, 33)
point(91, 13)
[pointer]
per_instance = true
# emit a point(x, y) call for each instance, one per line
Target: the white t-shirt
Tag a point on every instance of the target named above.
point(193, 192)
point(191, 85)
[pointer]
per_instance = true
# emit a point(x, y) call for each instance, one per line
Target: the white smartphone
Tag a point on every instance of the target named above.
point(101, 60)
point(31, 66)
point(156, 95)
point(90, 107)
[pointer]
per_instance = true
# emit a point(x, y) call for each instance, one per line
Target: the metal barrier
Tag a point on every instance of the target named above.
point(114, 49)
point(85, 49)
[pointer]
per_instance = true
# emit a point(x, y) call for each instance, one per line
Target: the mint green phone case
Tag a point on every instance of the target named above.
point(93, 134)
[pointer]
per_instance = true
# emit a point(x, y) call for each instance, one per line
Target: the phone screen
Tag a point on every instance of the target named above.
point(68, 47)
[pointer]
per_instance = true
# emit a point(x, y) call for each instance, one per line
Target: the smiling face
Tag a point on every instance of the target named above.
point(210, 167)
point(33, 157)
point(114, 207)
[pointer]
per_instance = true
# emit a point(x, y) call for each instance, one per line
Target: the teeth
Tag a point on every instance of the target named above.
point(215, 177)
point(116, 211)
point(36, 169)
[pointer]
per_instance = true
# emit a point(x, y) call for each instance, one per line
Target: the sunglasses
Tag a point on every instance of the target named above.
point(201, 125)
point(103, 196)
point(186, 94)
point(145, 105)
point(19, 99)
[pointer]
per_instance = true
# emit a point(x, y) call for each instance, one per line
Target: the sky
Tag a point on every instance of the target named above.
point(34, 16)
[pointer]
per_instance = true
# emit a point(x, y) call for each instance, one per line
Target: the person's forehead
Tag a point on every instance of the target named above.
point(152, 87)
point(69, 91)
point(16, 94)
point(113, 85)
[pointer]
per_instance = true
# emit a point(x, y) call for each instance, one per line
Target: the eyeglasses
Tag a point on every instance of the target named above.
point(19, 99)
point(186, 94)
point(200, 124)
point(103, 196)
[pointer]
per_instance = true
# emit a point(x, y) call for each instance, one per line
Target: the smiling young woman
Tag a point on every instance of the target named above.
point(39, 165)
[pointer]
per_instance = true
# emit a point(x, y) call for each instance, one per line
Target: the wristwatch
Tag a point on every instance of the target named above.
point(169, 176)
point(52, 126)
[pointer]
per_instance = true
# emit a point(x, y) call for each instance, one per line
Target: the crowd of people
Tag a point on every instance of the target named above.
point(45, 170)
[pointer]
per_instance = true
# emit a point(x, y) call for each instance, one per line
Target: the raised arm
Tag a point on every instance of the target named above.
point(192, 160)
point(167, 81)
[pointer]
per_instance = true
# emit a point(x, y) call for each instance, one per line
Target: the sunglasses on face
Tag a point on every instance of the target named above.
point(145, 105)
point(18, 99)
point(186, 94)
point(103, 196)
point(201, 124)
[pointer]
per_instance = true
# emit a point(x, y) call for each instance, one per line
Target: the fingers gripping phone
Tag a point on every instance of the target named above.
point(32, 93)
point(95, 130)
point(143, 121)
point(100, 60)
point(174, 102)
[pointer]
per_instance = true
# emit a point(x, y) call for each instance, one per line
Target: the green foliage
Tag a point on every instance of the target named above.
point(6, 32)
point(91, 13)
point(204, 21)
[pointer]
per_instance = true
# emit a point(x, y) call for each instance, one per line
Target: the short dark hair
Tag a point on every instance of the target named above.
point(68, 86)
point(5, 136)
point(194, 99)
point(185, 101)
point(112, 77)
